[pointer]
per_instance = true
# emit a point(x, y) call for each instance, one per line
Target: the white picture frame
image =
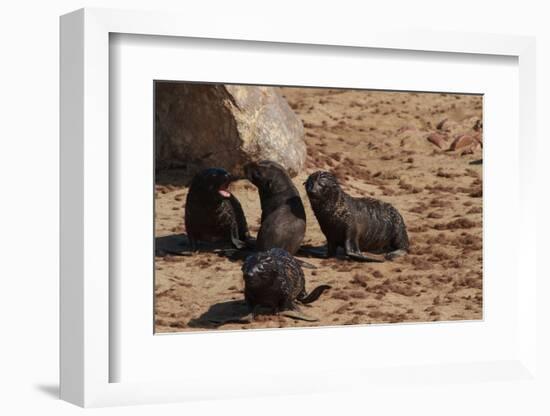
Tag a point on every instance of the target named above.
point(85, 166)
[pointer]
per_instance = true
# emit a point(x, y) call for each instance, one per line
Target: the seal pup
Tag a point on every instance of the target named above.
point(283, 221)
point(274, 282)
point(212, 213)
point(355, 223)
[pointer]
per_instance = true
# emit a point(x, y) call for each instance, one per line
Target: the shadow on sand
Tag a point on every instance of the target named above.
point(172, 244)
point(308, 250)
point(178, 245)
point(233, 311)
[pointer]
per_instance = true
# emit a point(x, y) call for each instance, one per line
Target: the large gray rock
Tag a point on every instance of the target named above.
point(202, 125)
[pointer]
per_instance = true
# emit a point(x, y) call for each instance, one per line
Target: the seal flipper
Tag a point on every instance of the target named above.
point(304, 298)
point(353, 252)
point(396, 253)
point(373, 258)
point(306, 265)
point(296, 313)
point(238, 243)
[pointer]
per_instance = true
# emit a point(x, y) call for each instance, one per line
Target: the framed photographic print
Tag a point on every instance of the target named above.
point(412, 160)
point(346, 196)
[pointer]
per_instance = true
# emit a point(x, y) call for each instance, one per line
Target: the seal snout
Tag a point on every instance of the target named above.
point(251, 171)
point(313, 187)
point(215, 180)
point(310, 185)
point(225, 178)
point(224, 190)
point(212, 213)
point(321, 184)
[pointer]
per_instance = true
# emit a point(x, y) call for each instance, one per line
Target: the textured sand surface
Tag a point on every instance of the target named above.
point(377, 143)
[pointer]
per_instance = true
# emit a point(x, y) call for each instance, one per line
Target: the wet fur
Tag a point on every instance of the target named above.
point(274, 281)
point(211, 217)
point(283, 221)
point(356, 224)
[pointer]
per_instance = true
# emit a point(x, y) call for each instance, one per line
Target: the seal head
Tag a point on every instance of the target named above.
point(322, 186)
point(212, 183)
point(212, 213)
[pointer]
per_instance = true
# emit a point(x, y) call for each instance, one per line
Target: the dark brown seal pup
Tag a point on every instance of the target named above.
point(212, 213)
point(355, 223)
point(283, 222)
point(274, 281)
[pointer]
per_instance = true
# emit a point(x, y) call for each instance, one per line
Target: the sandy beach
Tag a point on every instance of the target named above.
point(379, 144)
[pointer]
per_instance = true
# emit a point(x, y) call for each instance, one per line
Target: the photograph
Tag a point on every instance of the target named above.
point(304, 206)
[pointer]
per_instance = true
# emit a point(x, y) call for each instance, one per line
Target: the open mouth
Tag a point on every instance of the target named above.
point(224, 190)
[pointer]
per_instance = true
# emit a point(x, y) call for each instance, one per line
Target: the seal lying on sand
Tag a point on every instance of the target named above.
point(283, 221)
point(212, 213)
point(274, 281)
point(355, 223)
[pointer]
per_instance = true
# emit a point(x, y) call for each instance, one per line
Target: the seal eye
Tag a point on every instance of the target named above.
point(309, 185)
point(253, 174)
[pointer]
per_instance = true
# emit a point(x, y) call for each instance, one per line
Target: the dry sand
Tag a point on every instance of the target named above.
point(376, 142)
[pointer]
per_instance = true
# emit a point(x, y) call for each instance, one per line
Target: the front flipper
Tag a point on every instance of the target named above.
point(353, 252)
point(297, 314)
point(238, 243)
point(306, 265)
point(396, 253)
point(373, 258)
